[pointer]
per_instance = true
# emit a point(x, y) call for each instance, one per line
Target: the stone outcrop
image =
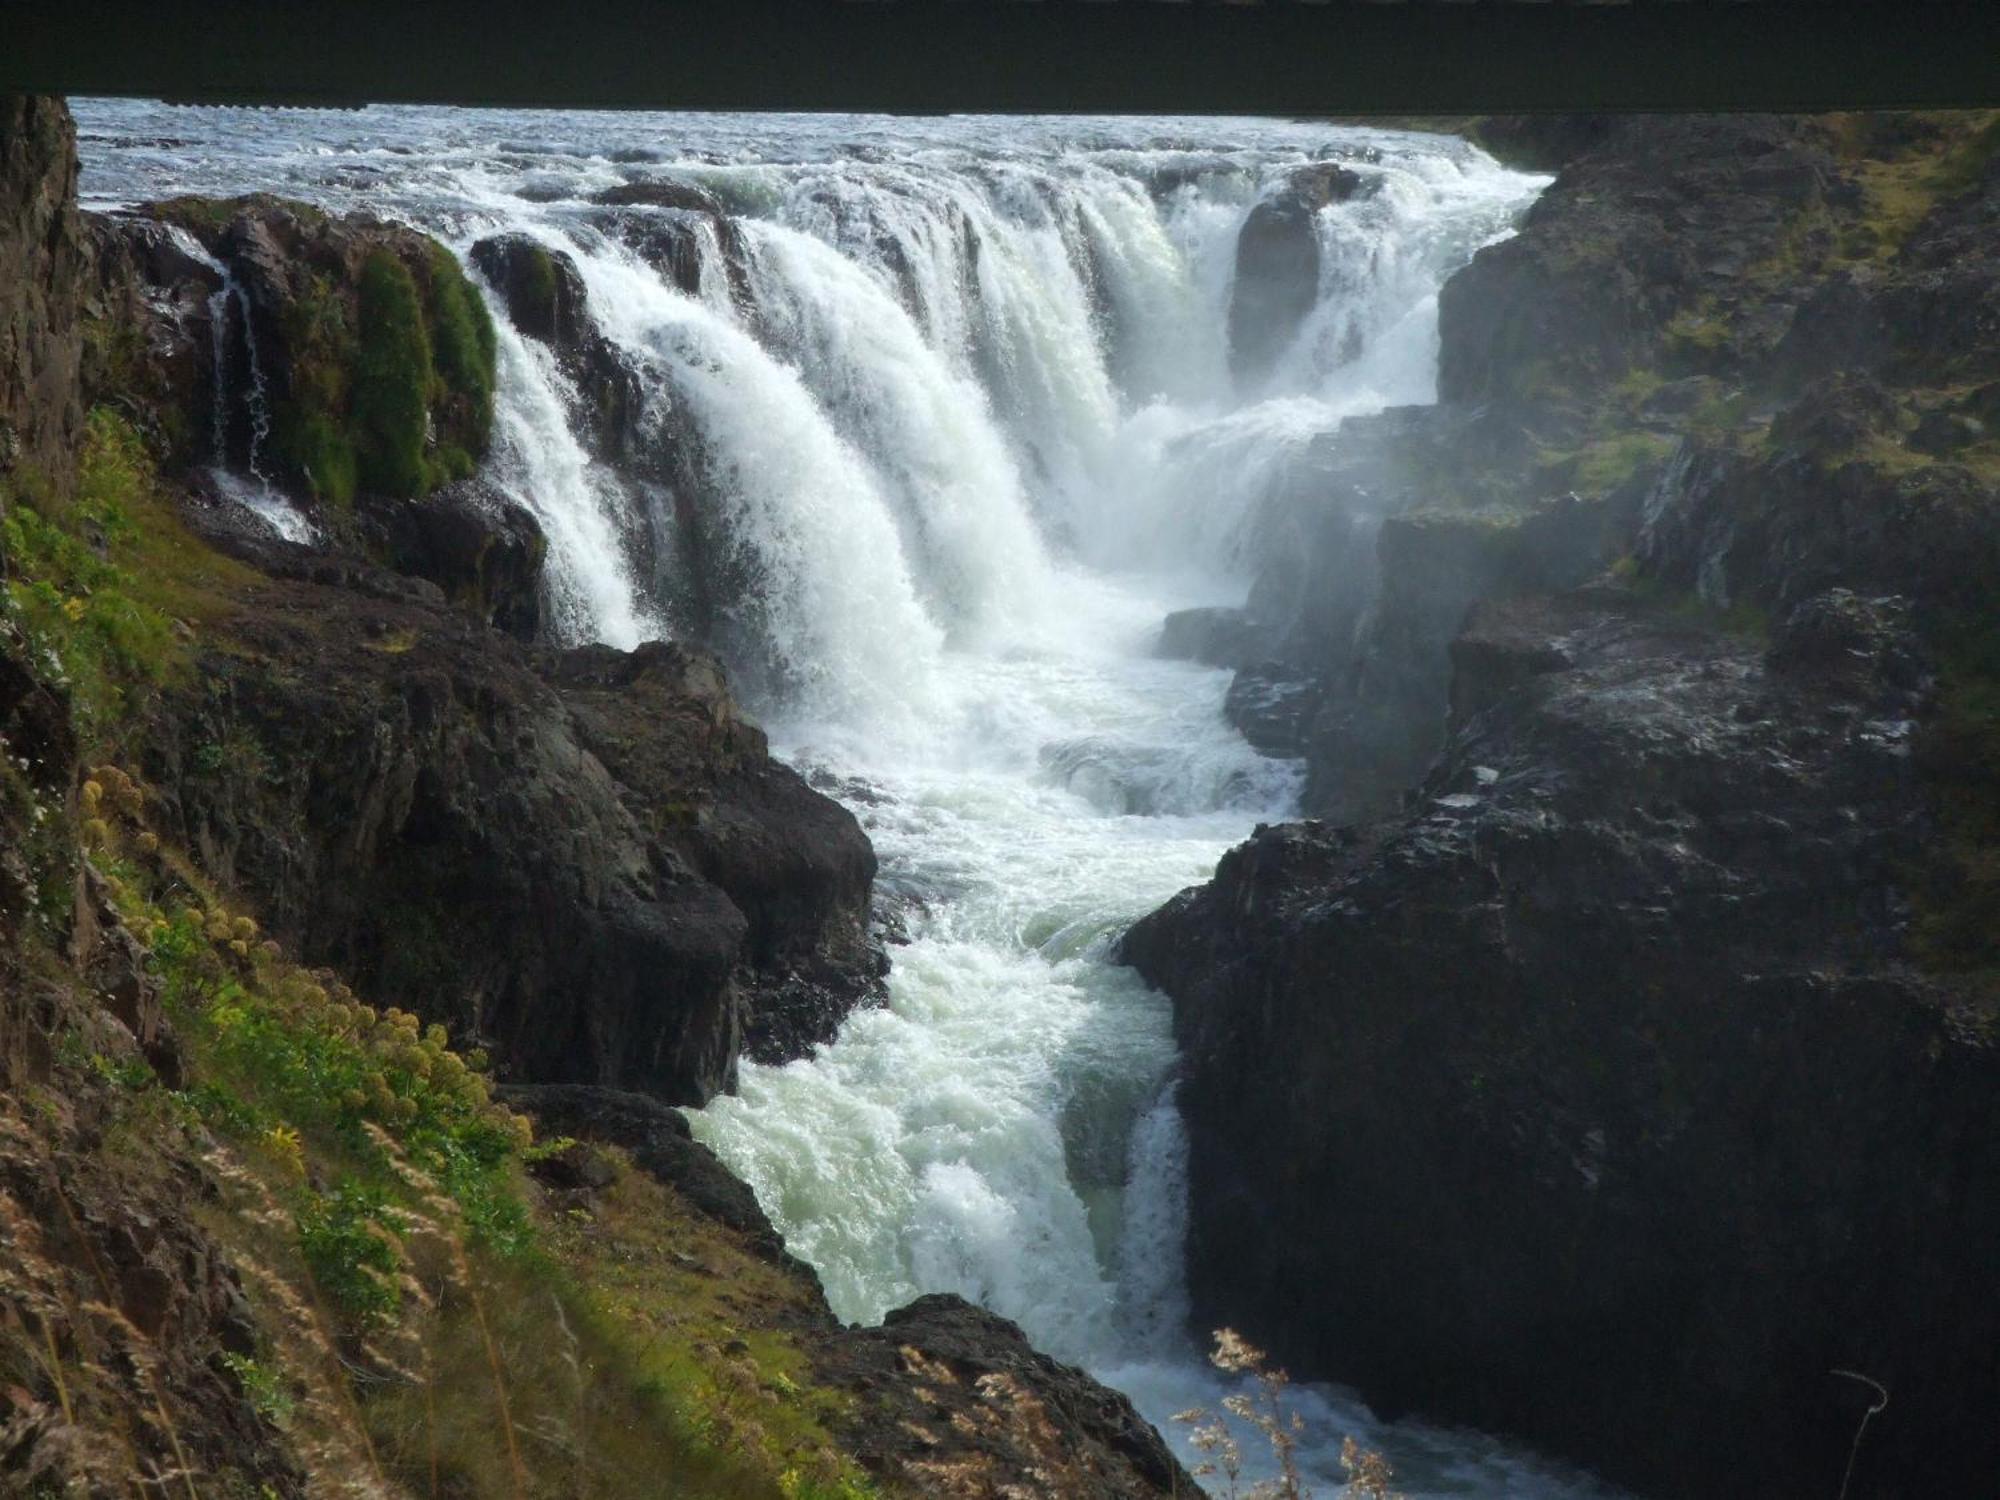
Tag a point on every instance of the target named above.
point(943, 1398)
point(1627, 1064)
point(415, 801)
point(484, 552)
point(545, 300)
point(371, 353)
point(960, 1404)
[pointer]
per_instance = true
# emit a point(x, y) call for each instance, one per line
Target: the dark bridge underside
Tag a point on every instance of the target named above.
point(1313, 57)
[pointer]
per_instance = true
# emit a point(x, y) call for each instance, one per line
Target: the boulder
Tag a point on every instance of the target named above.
point(481, 549)
point(358, 359)
point(1215, 636)
point(958, 1402)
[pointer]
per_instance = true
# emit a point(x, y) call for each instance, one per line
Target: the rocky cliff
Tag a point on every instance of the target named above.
point(303, 849)
point(1636, 1072)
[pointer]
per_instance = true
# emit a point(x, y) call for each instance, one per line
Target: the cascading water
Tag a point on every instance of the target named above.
point(954, 399)
point(252, 490)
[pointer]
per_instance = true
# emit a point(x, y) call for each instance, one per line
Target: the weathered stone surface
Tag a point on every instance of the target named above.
point(794, 862)
point(1627, 1040)
point(365, 392)
point(481, 549)
point(1611, 1049)
point(42, 261)
point(545, 299)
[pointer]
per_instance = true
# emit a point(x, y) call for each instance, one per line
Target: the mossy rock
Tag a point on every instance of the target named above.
point(379, 354)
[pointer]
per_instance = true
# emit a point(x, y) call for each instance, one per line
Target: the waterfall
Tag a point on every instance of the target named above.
point(253, 489)
point(939, 421)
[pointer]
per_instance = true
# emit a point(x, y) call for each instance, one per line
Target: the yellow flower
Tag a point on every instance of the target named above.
point(74, 607)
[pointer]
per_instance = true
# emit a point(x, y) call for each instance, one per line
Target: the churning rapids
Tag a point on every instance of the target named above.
point(969, 422)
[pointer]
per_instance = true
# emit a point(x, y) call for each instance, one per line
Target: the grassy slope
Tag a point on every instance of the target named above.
point(432, 1320)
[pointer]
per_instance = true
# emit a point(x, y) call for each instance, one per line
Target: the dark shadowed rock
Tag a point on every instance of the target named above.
point(1214, 636)
point(149, 334)
point(1612, 1049)
point(1277, 266)
point(794, 862)
point(411, 803)
point(480, 548)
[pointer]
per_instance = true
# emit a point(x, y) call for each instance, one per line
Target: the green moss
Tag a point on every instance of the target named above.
point(392, 376)
point(1605, 464)
point(391, 382)
point(1694, 333)
point(462, 341)
point(1964, 167)
point(538, 288)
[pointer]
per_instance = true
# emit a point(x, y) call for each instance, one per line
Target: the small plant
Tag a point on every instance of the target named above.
point(264, 1388)
point(349, 1238)
point(1262, 1409)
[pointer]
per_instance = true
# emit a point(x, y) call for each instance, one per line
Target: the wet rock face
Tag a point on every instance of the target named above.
point(545, 299)
point(1835, 497)
point(1278, 266)
point(149, 335)
point(1662, 217)
point(1611, 1049)
point(42, 262)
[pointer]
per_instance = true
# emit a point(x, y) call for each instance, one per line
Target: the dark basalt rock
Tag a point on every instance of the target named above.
point(481, 549)
point(149, 335)
point(1277, 266)
point(1661, 217)
point(658, 1137)
point(411, 803)
point(1612, 1050)
point(794, 862)
point(1831, 501)
point(375, 352)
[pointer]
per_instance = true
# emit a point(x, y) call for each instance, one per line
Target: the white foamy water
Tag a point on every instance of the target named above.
point(961, 424)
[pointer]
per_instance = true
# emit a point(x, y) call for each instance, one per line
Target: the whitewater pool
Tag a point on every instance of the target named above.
point(966, 418)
